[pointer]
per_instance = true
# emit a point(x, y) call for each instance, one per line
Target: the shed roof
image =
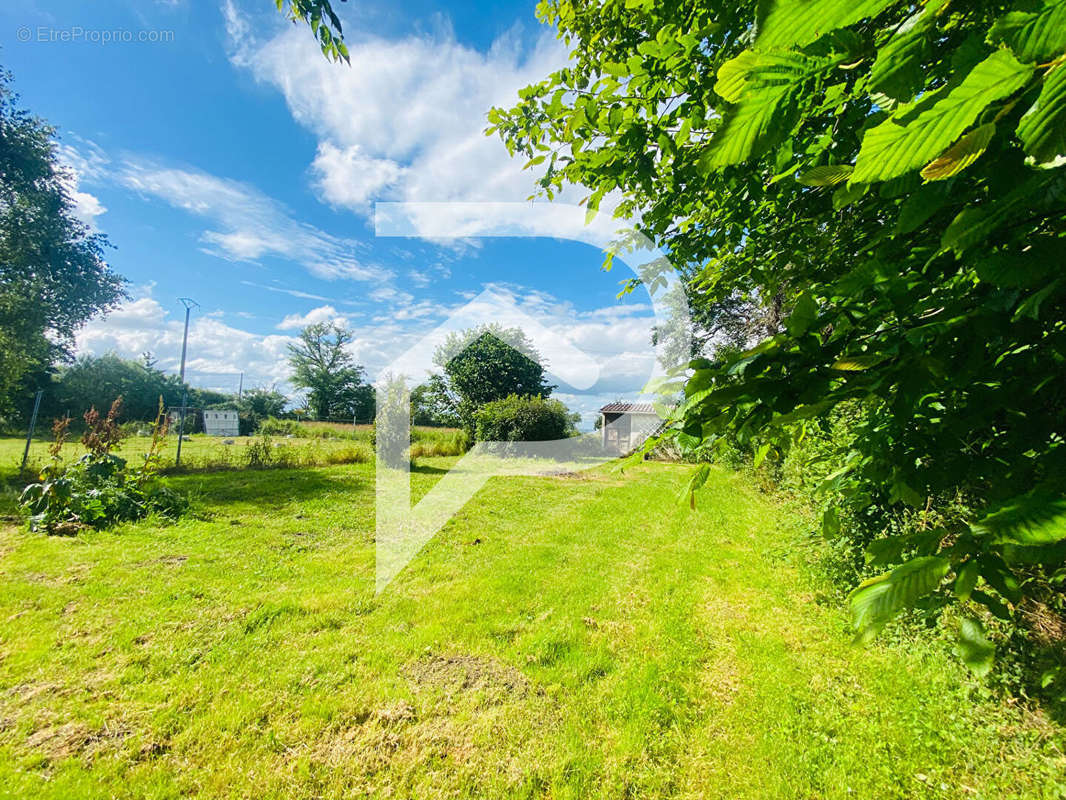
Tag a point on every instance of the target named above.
point(629, 408)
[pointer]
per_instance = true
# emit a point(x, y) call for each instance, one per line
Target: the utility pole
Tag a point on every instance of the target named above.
point(189, 304)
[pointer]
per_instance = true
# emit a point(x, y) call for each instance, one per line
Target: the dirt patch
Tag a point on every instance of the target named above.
point(1048, 627)
point(169, 560)
point(57, 742)
point(455, 674)
point(396, 713)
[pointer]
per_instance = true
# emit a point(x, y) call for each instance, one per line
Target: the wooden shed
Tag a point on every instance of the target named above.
point(625, 426)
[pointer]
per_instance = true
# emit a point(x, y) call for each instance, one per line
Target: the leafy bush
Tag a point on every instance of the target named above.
point(522, 419)
point(273, 426)
point(99, 489)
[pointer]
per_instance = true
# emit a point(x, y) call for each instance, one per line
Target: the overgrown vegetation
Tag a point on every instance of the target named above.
point(482, 365)
point(870, 197)
point(99, 490)
point(523, 419)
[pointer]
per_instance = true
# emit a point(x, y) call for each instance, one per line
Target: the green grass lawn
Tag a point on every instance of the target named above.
point(561, 637)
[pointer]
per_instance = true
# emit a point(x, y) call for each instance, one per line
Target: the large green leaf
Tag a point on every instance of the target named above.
point(879, 599)
point(1034, 36)
point(897, 70)
point(764, 86)
point(917, 133)
point(826, 175)
point(976, 651)
point(1043, 127)
point(791, 23)
point(733, 74)
point(1033, 518)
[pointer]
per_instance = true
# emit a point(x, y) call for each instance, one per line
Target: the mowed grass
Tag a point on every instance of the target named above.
point(564, 637)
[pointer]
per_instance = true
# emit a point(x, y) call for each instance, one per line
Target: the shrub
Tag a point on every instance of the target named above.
point(99, 489)
point(272, 426)
point(522, 419)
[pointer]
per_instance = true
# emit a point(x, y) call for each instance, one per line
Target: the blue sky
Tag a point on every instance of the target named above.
point(229, 162)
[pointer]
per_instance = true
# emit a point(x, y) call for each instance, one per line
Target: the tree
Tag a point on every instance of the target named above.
point(53, 277)
point(487, 363)
point(262, 403)
point(887, 181)
point(432, 405)
point(323, 366)
point(96, 381)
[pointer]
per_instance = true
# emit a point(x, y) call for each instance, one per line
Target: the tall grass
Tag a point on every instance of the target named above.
point(427, 442)
point(265, 452)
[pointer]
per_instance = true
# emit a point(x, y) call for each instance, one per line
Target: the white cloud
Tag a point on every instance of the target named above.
point(312, 317)
point(615, 337)
point(406, 120)
point(79, 166)
point(250, 224)
point(349, 177)
point(216, 350)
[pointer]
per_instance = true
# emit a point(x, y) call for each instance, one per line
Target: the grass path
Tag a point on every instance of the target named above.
point(562, 637)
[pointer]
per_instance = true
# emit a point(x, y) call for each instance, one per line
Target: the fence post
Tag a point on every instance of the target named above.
point(33, 424)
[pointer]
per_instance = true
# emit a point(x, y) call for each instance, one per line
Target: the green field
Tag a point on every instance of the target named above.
point(579, 636)
point(319, 444)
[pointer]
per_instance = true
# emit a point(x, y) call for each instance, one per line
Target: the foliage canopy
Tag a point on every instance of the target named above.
point(890, 177)
point(53, 277)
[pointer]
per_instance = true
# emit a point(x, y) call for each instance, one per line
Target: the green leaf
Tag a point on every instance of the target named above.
point(1042, 129)
point(733, 74)
point(884, 551)
point(830, 523)
point(825, 175)
point(1025, 269)
point(961, 154)
point(968, 228)
point(996, 607)
point(695, 481)
point(976, 651)
point(999, 576)
point(794, 23)
point(804, 314)
point(760, 455)
point(966, 580)
point(846, 195)
point(1033, 518)
point(1037, 36)
point(902, 491)
point(923, 203)
point(764, 86)
point(916, 133)
point(857, 363)
point(879, 599)
point(897, 70)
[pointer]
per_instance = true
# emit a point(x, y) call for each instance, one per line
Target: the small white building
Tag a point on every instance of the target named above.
point(221, 423)
point(625, 426)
